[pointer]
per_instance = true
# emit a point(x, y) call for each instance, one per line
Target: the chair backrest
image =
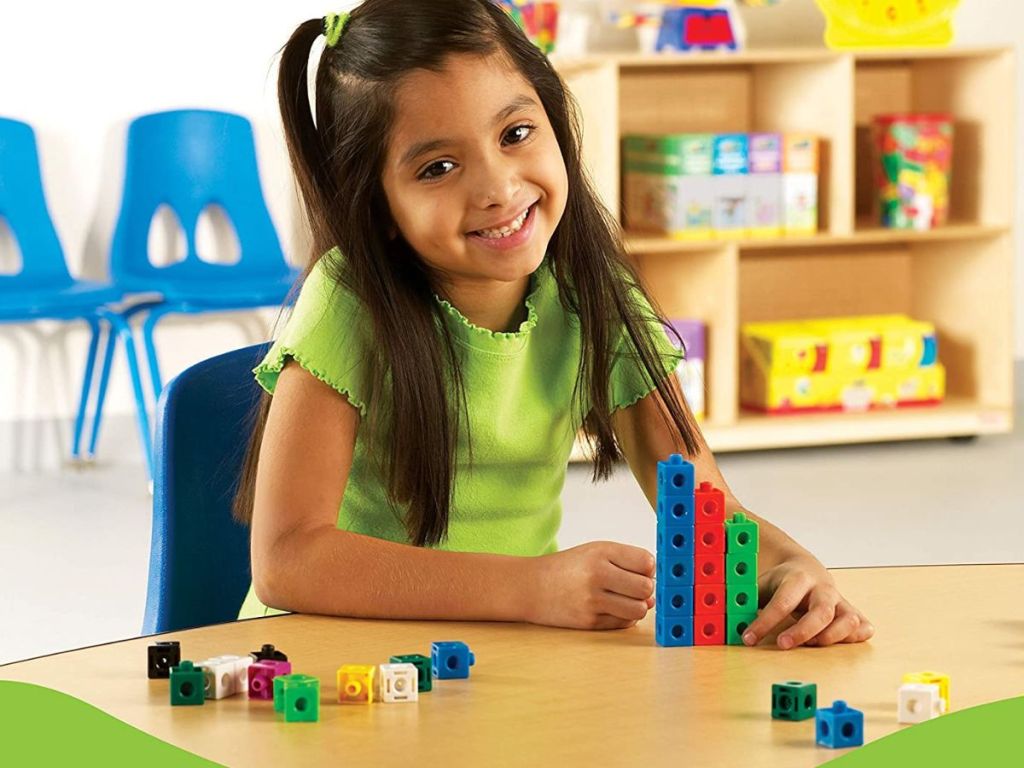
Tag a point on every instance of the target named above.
point(199, 568)
point(189, 160)
point(23, 205)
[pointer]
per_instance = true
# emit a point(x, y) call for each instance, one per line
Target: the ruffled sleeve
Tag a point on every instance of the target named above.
point(326, 335)
point(629, 381)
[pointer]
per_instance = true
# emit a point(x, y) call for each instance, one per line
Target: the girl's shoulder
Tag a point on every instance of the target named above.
point(325, 332)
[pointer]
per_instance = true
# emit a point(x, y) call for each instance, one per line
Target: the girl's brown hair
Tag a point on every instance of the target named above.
point(415, 382)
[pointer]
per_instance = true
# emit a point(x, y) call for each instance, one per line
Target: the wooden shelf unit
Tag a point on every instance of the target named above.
point(958, 277)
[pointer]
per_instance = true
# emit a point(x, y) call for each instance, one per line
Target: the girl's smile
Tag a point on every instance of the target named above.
point(507, 235)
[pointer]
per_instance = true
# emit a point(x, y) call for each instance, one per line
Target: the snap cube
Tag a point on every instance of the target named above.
point(187, 686)
point(355, 683)
point(937, 678)
point(163, 656)
point(451, 660)
point(673, 631)
point(709, 569)
point(674, 571)
point(735, 625)
point(709, 539)
point(794, 700)
point(675, 478)
point(422, 663)
point(677, 542)
point(709, 629)
point(219, 677)
point(741, 534)
point(297, 697)
point(397, 683)
point(708, 599)
point(268, 653)
point(741, 568)
point(740, 597)
point(918, 702)
point(674, 601)
point(708, 505)
point(839, 726)
point(261, 677)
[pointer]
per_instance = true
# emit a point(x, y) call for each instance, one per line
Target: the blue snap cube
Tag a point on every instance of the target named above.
point(451, 660)
point(677, 542)
point(675, 478)
point(675, 512)
point(839, 726)
point(674, 572)
point(673, 601)
point(673, 631)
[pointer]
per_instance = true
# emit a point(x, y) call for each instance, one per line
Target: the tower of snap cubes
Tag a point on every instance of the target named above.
point(706, 575)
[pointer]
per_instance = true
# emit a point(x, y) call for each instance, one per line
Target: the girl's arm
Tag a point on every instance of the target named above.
point(302, 562)
point(795, 580)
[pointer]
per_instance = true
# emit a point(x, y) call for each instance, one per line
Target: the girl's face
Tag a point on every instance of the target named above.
point(473, 173)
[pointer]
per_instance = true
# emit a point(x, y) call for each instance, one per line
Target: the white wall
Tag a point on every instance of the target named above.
point(85, 69)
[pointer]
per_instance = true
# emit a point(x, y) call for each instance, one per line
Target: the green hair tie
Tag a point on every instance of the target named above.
point(334, 25)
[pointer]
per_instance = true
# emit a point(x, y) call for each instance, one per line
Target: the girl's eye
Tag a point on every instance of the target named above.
point(520, 133)
point(437, 170)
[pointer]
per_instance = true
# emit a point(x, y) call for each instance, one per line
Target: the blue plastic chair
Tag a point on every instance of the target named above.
point(43, 288)
point(199, 569)
point(189, 160)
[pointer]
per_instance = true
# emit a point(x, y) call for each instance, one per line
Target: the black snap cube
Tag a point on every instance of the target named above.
point(163, 656)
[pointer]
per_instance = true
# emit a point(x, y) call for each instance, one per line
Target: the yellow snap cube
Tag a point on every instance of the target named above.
point(927, 678)
point(355, 683)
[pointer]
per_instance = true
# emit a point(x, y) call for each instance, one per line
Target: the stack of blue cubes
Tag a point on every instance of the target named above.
point(674, 577)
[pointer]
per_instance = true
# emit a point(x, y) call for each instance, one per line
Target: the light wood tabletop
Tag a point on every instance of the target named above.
point(542, 696)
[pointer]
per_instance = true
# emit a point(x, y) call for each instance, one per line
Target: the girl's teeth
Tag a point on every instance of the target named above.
point(514, 227)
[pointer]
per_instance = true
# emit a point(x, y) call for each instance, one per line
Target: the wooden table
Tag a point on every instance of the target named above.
point(540, 696)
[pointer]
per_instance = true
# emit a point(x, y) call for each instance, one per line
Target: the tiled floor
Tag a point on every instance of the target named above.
point(74, 545)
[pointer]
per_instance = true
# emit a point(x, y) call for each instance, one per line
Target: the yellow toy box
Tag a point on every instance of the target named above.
point(851, 363)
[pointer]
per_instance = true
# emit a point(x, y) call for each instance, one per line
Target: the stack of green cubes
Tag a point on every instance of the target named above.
point(741, 545)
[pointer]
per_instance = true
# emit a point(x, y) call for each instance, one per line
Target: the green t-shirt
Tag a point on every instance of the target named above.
point(519, 392)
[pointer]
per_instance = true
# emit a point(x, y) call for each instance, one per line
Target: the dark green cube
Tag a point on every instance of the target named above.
point(425, 674)
point(794, 700)
point(188, 685)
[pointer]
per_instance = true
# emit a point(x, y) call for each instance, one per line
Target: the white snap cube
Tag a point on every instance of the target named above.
point(919, 702)
point(219, 675)
point(241, 664)
point(398, 682)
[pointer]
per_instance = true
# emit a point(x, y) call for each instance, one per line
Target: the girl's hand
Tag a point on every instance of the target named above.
point(599, 585)
point(802, 587)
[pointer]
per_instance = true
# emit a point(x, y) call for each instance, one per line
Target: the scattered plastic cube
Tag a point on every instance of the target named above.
point(297, 697)
point(163, 656)
point(187, 685)
point(423, 669)
point(451, 660)
point(918, 702)
point(219, 677)
point(794, 700)
point(397, 683)
point(839, 726)
point(937, 678)
point(355, 683)
point(268, 653)
point(261, 677)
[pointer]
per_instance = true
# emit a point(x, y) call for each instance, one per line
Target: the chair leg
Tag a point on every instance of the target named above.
point(101, 394)
point(151, 358)
point(83, 402)
point(124, 330)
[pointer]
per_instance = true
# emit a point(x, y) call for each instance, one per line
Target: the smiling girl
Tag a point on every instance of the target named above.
point(468, 310)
